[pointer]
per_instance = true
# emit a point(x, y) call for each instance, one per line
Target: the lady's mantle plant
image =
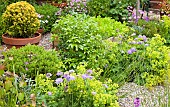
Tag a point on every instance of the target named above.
point(20, 20)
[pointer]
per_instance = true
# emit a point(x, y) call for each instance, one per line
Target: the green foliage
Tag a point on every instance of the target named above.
point(79, 91)
point(79, 40)
point(20, 20)
point(32, 59)
point(47, 15)
point(98, 7)
point(110, 28)
point(146, 65)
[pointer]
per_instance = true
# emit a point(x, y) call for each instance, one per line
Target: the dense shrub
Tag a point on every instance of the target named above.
point(20, 20)
point(32, 59)
point(47, 15)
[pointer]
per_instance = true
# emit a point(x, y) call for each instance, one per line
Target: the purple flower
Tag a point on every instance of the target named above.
point(49, 93)
point(26, 69)
point(146, 18)
point(141, 12)
point(85, 76)
point(90, 77)
point(137, 102)
point(71, 71)
point(48, 75)
point(69, 78)
point(93, 93)
point(89, 71)
point(105, 85)
point(144, 38)
point(59, 73)
point(129, 51)
point(132, 50)
point(65, 75)
point(140, 42)
point(26, 63)
point(58, 80)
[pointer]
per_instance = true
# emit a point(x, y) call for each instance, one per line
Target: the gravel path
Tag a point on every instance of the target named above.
point(148, 98)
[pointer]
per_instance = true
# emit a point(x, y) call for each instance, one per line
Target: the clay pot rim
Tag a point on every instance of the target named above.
point(3, 35)
point(21, 41)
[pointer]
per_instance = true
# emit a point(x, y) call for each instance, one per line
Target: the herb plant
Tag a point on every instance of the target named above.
point(79, 40)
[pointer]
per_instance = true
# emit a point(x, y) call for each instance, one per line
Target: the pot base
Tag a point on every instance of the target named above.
point(19, 42)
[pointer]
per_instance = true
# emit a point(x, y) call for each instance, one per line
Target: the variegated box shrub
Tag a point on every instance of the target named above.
point(20, 20)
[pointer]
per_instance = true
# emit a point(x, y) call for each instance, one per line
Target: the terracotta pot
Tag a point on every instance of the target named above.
point(60, 5)
point(41, 30)
point(2, 67)
point(19, 42)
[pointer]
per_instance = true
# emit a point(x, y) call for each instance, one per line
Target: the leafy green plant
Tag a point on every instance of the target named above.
point(20, 20)
point(32, 59)
point(98, 7)
point(47, 15)
point(79, 40)
point(110, 28)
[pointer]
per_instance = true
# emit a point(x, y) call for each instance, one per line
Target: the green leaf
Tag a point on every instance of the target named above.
point(21, 96)
point(1, 72)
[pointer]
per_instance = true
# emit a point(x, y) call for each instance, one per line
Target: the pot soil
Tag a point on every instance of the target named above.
point(19, 42)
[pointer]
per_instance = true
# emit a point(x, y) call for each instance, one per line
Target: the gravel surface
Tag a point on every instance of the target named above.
point(148, 98)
